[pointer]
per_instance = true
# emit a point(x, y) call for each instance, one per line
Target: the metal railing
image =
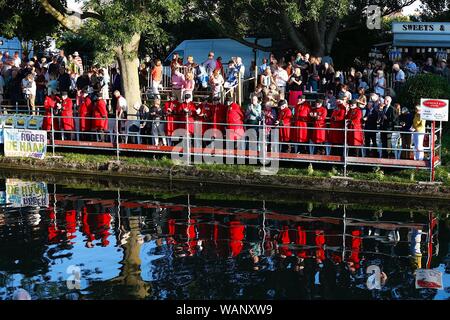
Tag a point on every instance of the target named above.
point(190, 138)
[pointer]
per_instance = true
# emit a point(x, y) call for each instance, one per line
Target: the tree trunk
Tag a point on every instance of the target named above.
point(128, 65)
point(130, 275)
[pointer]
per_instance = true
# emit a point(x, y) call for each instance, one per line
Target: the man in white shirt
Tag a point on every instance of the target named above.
point(240, 67)
point(281, 78)
point(29, 90)
point(379, 83)
point(121, 110)
point(16, 59)
point(399, 78)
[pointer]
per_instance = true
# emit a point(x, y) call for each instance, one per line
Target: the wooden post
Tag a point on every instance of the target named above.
point(256, 75)
point(432, 146)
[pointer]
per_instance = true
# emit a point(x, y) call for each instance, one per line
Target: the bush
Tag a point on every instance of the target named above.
point(423, 86)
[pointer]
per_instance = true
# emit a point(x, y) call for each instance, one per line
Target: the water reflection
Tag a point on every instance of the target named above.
point(183, 247)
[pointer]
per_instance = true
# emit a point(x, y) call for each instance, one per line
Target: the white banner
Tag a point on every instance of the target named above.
point(25, 143)
point(434, 109)
point(21, 194)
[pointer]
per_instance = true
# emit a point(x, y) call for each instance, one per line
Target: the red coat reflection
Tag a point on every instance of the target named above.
point(96, 227)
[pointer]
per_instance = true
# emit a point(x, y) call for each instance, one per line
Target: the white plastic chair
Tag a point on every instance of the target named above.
point(21, 122)
point(9, 121)
point(35, 122)
point(137, 134)
point(112, 129)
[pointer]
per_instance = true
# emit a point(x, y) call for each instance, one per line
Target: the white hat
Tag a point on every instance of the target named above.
point(76, 54)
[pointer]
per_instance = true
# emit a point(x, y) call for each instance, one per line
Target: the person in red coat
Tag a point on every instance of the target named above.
point(186, 112)
point(237, 234)
point(318, 134)
point(100, 115)
point(355, 136)
point(96, 226)
point(217, 116)
point(169, 110)
point(300, 119)
point(66, 121)
point(50, 106)
point(356, 242)
point(84, 114)
point(285, 241)
point(337, 121)
point(284, 123)
point(300, 240)
point(319, 240)
point(235, 122)
point(71, 224)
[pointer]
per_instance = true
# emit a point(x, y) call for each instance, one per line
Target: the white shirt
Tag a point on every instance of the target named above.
point(122, 103)
point(281, 78)
point(29, 87)
point(378, 83)
point(400, 75)
point(17, 62)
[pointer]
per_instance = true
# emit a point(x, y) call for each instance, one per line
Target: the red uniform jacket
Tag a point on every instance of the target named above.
point(96, 226)
point(85, 111)
point(236, 237)
point(356, 248)
point(300, 120)
point(235, 121)
point(355, 136)
point(285, 117)
point(54, 232)
point(169, 109)
point(189, 110)
point(100, 115)
point(301, 240)
point(49, 106)
point(337, 121)
point(318, 135)
point(67, 123)
point(216, 116)
point(320, 241)
point(199, 118)
point(71, 224)
point(285, 240)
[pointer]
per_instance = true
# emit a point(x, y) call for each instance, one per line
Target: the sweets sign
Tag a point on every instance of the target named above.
point(25, 143)
point(434, 109)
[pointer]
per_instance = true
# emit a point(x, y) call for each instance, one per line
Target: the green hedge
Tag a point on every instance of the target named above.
point(423, 86)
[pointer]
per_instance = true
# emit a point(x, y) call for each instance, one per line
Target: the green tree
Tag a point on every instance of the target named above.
point(424, 86)
point(309, 25)
point(115, 28)
point(27, 21)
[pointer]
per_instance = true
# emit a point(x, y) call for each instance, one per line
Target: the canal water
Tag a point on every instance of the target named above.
point(84, 241)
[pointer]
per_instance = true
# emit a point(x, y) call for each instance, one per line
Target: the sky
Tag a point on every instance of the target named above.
point(72, 4)
point(411, 9)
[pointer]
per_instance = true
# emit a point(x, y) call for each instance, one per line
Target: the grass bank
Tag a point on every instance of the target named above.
point(389, 182)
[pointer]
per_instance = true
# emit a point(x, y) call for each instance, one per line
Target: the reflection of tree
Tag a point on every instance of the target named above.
point(130, 275)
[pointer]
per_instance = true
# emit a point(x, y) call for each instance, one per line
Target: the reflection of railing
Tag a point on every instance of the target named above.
point(261, 143)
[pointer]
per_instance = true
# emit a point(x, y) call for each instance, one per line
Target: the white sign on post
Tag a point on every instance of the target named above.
point(428, 279)
point(434, 109)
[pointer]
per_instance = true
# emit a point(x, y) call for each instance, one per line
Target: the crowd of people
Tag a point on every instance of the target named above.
point(359, 101)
